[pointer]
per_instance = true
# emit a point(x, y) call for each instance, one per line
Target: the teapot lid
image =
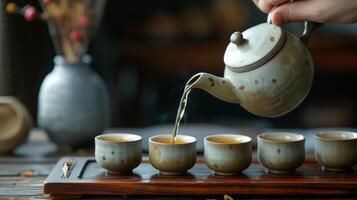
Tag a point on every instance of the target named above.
point(254, 47)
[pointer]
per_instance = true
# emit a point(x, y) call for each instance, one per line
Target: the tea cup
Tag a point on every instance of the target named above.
point(228, 154)
point(336, 150)
point(172, 158)
point(281, 153)
point(118, 153)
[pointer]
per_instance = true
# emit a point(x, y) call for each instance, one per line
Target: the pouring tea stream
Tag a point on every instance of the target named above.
point(268, 71)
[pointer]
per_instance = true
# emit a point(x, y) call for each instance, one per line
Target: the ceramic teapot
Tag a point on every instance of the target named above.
point(268, 71)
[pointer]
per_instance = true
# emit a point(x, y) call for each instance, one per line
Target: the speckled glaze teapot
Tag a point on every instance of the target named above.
point(268, 71)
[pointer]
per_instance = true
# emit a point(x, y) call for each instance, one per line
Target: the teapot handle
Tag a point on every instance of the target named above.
point(309, 27)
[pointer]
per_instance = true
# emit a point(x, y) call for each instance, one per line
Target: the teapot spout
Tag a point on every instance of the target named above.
point(218, 87)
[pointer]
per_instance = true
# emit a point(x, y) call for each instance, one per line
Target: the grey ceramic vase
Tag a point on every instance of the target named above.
point(73, 104)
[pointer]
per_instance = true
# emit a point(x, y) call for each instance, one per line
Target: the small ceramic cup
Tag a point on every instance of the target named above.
point(172, 159)
point(118, 153)
point(228, 154)
point(281, 153)
point(336, 150)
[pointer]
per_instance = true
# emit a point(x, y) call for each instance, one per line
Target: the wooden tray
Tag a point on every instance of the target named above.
point(87, 178)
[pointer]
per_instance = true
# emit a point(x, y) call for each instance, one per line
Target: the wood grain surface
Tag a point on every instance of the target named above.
point(38, 156)
point(87, 178)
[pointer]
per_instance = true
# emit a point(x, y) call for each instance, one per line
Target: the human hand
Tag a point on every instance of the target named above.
point(323, 11)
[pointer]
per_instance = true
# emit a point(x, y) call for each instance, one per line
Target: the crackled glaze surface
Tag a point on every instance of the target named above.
point(118, 153)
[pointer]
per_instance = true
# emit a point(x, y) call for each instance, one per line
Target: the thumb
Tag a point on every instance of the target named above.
point(291, 12)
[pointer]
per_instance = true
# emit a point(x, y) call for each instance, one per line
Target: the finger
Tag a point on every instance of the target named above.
point(267, 5)
point(294, 12)
point(263, 6)
point(275, 2)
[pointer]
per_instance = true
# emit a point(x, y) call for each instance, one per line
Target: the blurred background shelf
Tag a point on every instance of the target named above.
point(146, 51)
point(208, 56)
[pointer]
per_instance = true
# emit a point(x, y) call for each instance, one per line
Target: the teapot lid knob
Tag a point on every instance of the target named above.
point(237, 38)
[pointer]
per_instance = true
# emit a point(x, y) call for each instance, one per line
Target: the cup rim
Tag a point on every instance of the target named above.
point(260, 137)
point(232, 135)
point(175, 144)
point(98, 138)
point(319, 135)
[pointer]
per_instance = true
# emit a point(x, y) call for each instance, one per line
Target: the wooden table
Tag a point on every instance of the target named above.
point(22, 174)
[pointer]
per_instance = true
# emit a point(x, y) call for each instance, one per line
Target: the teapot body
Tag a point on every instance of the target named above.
point(278, 86)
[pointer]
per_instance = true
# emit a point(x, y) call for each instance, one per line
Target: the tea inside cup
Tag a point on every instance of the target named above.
point(281, 153)
point(167, 139)
point(227, 154)
point(118, 138)
point(336, 150)
point(118, 153)
point(337, 135)
point(228, 139)
point(172, 158)
point(281, 137)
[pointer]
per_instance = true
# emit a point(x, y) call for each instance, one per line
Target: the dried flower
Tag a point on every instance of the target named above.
point(76, 36)
point(30, 13)
point(11, 7)
point(83, 21)
point(72, 23)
